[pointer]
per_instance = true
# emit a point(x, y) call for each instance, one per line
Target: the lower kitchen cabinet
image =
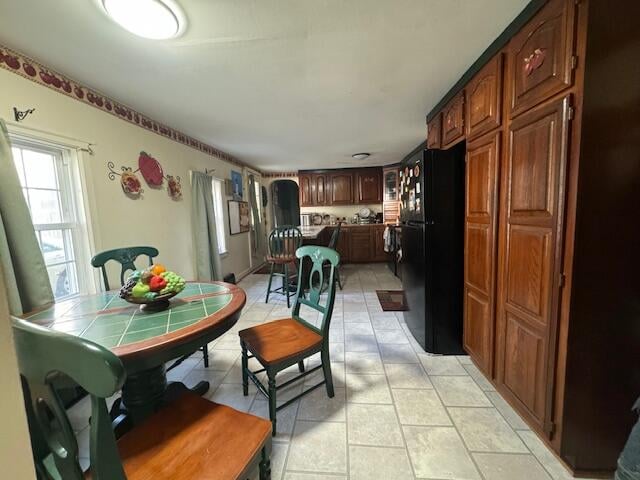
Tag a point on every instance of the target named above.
point(358, 243)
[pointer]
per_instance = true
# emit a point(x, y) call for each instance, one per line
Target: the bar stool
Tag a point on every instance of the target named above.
point(283, 243)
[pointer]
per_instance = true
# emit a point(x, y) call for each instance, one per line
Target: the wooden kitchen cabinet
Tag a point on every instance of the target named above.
point(434, 132)
point(481, 219)
point(306, 196)
point(530, 251)
point(361, 244)
point(319, 187)
point(541, 60)
point(369, 185)
point(377, 231)
point(484, 99)
point(390, 194)
point(453, 121)
point(341, 188)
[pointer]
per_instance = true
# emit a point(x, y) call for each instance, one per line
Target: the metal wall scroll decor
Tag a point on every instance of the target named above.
point(153, 174)
point(20, 115)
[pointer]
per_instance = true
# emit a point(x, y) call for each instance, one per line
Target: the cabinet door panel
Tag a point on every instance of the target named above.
point(453, 121)
point(341, 188)
point(482, 166)
point(369, 186)
point(306, 196)
point(530, 265)
point(434, 132)
point(540, 56)
point(319, 185)
point(361, 245)
point(484, 99)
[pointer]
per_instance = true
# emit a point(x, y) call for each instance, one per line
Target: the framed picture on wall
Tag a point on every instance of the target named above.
point(239, 220)
point(236, 181)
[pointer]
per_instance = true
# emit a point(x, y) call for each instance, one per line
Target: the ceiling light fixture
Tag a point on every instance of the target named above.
point(361, 156)
point(154, 19)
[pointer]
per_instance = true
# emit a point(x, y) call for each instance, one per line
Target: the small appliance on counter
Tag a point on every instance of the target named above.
point(305, 219)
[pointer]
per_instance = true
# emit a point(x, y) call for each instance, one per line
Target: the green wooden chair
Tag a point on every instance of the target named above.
point(192, 438)
point(126, 257)
point(333, 243)
point(283, 243)
point(282, 343)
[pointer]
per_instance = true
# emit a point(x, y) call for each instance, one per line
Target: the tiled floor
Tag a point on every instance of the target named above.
point(397, 413)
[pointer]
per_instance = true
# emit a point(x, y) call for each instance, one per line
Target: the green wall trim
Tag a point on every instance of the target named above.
point(529, 11)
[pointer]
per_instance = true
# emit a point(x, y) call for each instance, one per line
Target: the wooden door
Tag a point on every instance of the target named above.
point(343, 245)
point(341, 188)
point(541, 60)
point(306, 195)
point(484, 99)
point(434, 132)
point(319, 188)
point(453, 121)
point(483, 160)
point(361, 246)
point(369, 185)
point(530, 258)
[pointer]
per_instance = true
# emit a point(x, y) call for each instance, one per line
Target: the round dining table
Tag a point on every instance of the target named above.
point(146, 340)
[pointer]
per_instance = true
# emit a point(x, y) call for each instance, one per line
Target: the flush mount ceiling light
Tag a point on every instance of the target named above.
point(361, 156)
point(154, 19)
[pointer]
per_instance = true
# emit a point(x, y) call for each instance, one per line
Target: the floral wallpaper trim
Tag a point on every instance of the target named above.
point(30, 69)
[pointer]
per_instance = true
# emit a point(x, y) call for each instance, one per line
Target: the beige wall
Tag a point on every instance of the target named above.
point(15, 449)
point(117, 220)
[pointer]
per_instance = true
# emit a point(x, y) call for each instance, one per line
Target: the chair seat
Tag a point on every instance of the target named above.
point(281, 259)
point(193, 439)
point(280, 340)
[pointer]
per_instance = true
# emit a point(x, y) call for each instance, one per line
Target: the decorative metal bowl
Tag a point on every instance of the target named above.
point(159, 303)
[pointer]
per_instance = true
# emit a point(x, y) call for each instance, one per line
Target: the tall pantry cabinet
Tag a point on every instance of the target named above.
point(552, 293)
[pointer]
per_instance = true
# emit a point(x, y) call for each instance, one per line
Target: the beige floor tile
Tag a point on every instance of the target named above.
point(420, 407)
point(484, 430)
point(367, 463)
point(507, 412)
point(311, 476)
point(373, 425)
point(358, 328)
point(500, 466)
point(544, 456)
point(442, 365)
point(482, 381)
point(396, 337)
point(438, 452)
point(318, 447)
point(363, 362)
point(460, 392)
point(367, 389)
point(214, 378)
point(278, 459)
point(384, 321)
point(231, 395)
point(317, 406)
point(393, 353)
point(337, 372)
point(407, 375)
point(357, 316)
point(360, 343)
point(285, 418)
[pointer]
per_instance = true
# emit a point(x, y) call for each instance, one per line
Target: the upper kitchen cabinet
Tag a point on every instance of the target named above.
point(340, 188)
point(369, 185)
point(390, 194)
point(434, 132)
point(314, 189)
point(541, 57)
point(453, 121)
point(484, 99)
point(306, 196)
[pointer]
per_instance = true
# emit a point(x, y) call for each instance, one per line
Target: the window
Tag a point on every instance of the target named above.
point(46, 180)
point(218, 202)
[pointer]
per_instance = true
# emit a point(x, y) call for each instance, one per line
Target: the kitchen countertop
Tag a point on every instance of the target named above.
point(312, 232)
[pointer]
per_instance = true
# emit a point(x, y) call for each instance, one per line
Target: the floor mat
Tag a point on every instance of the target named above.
point(392, 300)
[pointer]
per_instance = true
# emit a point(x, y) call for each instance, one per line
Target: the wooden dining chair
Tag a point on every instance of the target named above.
point(190, 439)
point(282, 343)
point(283, 243)
point(126, 257)
point(333, 243)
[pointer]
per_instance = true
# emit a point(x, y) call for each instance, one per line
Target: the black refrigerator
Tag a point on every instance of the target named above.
point(432, 221)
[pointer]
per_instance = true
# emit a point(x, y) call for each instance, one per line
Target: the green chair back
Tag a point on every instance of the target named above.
point(44, 355)
point(314, 295)
point(284, 241)
point(125, 257)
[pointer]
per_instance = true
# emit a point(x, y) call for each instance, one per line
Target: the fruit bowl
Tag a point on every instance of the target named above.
point(152, 288)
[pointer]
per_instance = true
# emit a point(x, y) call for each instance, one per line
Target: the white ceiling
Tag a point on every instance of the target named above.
point(280, 84)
